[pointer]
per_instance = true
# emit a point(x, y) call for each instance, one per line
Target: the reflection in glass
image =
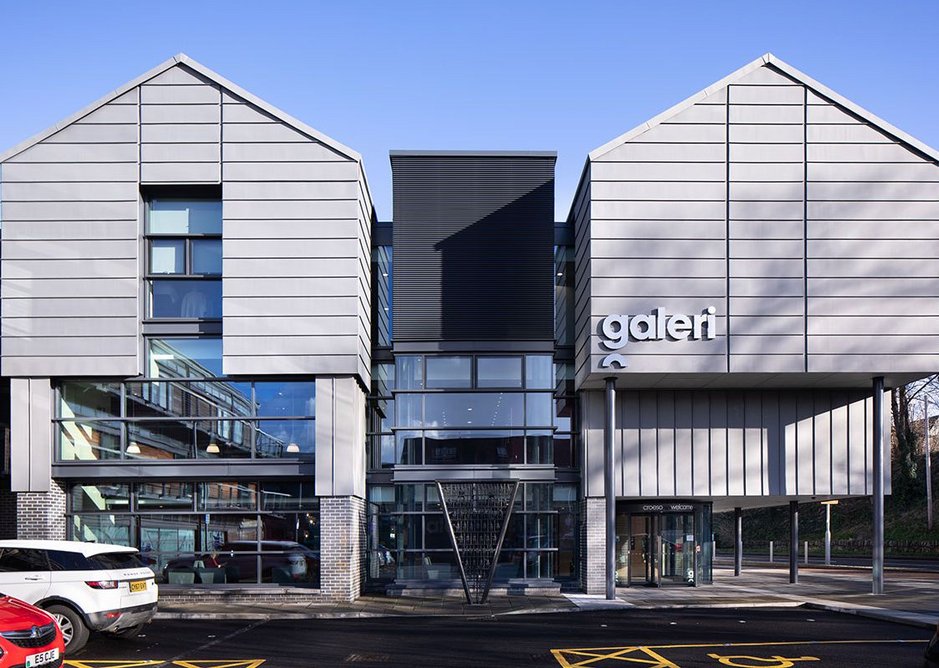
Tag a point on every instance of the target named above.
point(499, 372)
point(164, 496)
point(223, 439)
point(563, 451)
point(101, 497)
point(287, 496)
point(478, 409)
point(539, 372)
point(538, 407)
point(106, 529)
point(285, 399)
point(81, 399)
point(540, 446)
point(168, 256)
point(161, 440)
point(82, 441)
point(185, 357)
point(179, 216)
point(196, 399)
point(449, 372)
point(408, 447)
point(284, 438)
point(409, 410)
point(474, 447)
point(184, 298)
point(227, 495)
point(206, 257)
point(409, 372)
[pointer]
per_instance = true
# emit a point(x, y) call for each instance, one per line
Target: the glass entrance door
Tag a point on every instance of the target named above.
point(641, 557)
point(677, 548)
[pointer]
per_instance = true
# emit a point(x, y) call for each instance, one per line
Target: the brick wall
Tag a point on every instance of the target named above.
point(41, 514)
point(593, 546)
point(342, 547)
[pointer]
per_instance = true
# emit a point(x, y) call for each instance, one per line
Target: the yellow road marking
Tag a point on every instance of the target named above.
point(587, 658)
point(76, 663)
point(761, 662)
point(580, 657)
point(220, 663)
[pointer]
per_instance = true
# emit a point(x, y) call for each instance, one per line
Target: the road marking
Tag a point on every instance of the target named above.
point(220, 663)
point(218, 641)
point(581, 657)
point(624, 654)
point(761, 662)
point(75, 663)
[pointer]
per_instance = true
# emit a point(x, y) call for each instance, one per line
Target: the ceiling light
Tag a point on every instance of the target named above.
point(212, 448)
point(133, 448)
point(293, 447)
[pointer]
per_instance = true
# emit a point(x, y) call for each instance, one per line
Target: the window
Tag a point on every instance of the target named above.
point(19, 560)
point(201, 532)
point(184, 259)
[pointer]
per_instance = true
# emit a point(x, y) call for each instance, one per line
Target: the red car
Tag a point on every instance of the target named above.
point(29, 637)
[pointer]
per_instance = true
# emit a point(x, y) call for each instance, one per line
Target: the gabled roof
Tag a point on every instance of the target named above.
point(791, 72)
point(183, 59)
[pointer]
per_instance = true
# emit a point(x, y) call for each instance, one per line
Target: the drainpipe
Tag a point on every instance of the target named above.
point(608, 492)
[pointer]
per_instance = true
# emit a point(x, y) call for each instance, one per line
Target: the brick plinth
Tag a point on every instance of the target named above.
point(41, 515)
point(593, 546)
point(342, 547)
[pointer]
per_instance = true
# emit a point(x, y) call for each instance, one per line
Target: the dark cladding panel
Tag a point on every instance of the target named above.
point(473, 247)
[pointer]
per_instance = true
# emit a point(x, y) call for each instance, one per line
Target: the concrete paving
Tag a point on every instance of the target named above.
point(910, 598)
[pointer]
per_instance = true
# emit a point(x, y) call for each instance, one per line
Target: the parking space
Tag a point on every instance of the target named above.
point(790, 654)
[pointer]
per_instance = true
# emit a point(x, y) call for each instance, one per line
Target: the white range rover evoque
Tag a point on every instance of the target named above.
point(84, 586)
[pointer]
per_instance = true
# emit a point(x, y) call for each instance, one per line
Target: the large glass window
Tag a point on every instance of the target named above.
point(184, 259)
point(411, 541)
point(185, 419)
point(432, 410)
point(207, 533)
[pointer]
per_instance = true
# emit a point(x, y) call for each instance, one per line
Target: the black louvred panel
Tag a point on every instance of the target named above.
point(473, 247)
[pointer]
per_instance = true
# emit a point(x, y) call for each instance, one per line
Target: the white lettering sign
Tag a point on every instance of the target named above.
point(618, 330)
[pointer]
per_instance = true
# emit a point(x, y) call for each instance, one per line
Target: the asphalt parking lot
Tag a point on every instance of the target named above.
point(775, 638)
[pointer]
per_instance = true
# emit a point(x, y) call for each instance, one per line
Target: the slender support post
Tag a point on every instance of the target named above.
point(828, 534)
point(793, 542)
point(928, 461)
point(806, 553)
point(878, 445)
point(608, 491)
point(771, 552)
point(738, 541)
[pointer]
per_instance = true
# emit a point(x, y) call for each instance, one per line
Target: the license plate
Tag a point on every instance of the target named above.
point(138, 585)
point(42, 658)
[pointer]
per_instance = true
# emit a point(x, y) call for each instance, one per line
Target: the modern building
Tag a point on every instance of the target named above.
point(216, 353)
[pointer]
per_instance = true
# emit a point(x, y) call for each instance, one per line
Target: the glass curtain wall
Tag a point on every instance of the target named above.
point(206, 532)
point(470, 410)
point(411, 540)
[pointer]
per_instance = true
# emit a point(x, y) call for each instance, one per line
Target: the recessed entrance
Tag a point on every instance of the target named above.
point(663, 544)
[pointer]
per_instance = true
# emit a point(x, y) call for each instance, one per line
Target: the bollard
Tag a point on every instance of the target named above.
point(806, 553)
point(771, 552)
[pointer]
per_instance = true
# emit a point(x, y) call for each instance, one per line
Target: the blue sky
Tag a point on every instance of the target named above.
point(506, 75)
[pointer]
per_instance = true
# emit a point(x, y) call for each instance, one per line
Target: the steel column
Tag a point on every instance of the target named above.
point(878, 556)
point(793, 542)
point(738, 541)
point(608, 491)
point(928, 461)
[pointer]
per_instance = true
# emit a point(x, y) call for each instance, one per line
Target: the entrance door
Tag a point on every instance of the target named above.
point(642, 552)
point(677, 551)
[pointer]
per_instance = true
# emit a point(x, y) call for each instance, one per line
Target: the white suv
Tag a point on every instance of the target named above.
point(84, 586)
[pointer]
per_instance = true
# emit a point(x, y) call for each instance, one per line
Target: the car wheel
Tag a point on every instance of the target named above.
point(74, 632)
point(129, 632)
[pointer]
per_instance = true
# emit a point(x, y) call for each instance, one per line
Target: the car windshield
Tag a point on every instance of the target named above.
point(112, 560)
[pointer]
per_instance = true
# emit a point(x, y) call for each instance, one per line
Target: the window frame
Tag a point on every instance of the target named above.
point(188, 275)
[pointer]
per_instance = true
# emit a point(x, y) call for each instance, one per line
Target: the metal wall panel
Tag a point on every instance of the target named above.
point(778, 207)
point(757, 443)
point(69, 272)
